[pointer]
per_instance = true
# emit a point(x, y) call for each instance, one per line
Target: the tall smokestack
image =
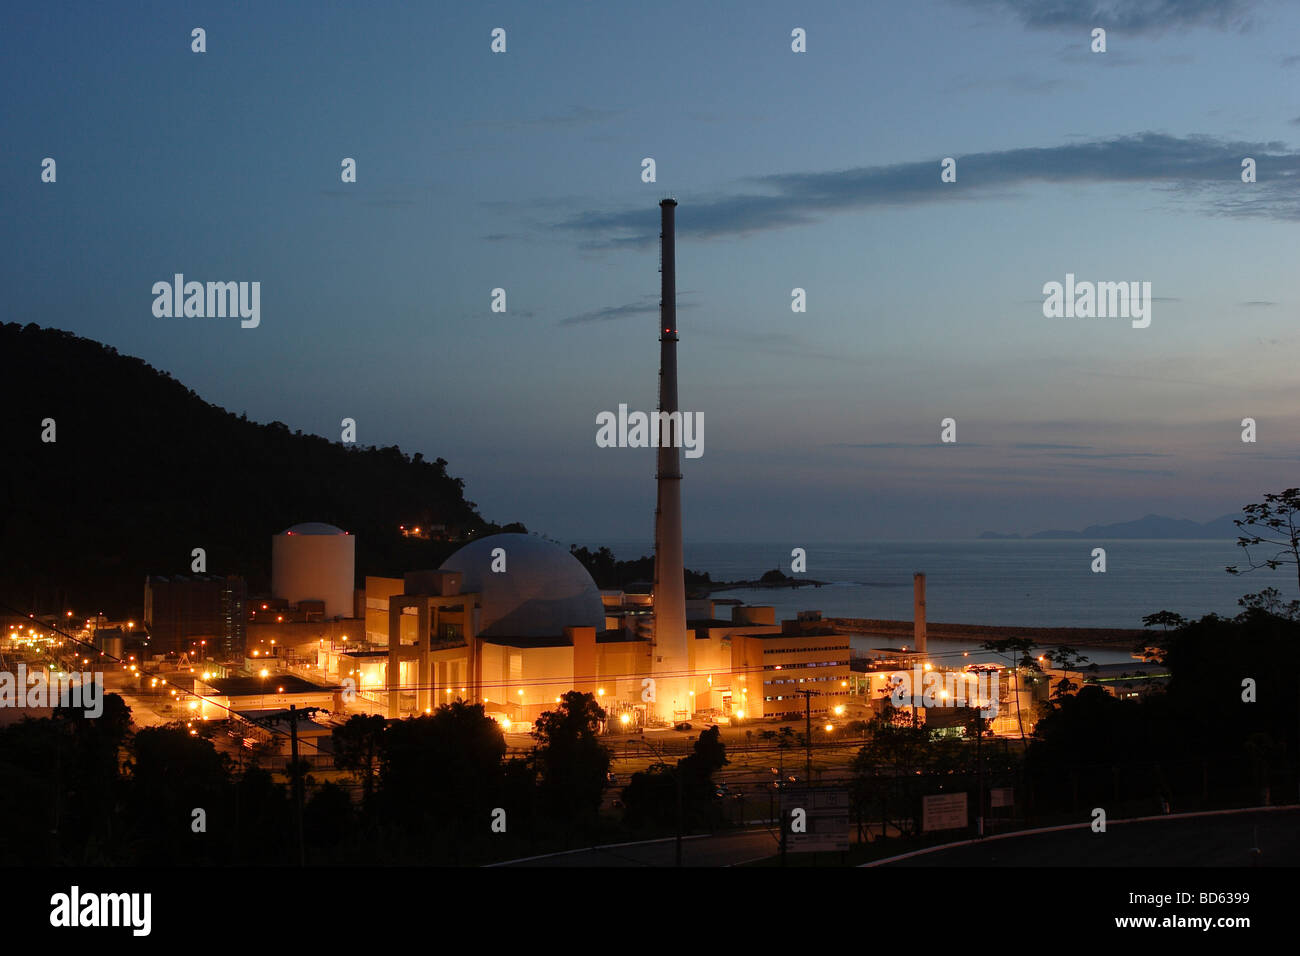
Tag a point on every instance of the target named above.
point(672, 690)
point(918, 612)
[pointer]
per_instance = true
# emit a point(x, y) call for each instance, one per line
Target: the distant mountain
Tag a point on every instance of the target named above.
point(143, 471)
point(1149, 527)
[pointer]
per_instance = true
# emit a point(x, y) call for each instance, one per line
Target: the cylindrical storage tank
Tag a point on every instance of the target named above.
point(315, 562)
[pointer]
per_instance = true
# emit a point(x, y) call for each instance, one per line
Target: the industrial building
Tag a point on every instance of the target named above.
point(513, 621)
point(181, 611)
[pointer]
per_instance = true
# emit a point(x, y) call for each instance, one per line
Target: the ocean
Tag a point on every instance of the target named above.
point(1008, 582)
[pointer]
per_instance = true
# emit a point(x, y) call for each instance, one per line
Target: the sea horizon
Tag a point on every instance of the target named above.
point(1012, 582)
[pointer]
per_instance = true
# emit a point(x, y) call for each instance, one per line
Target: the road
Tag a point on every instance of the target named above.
point(1203, 841)
point(728, 849)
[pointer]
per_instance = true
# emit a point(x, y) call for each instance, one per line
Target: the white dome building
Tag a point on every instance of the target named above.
point(542, 590)
point(315, 562)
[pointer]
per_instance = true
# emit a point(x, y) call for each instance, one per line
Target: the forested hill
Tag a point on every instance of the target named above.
point(143, 471)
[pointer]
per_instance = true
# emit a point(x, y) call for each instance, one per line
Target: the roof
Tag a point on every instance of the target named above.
point(313, 527)
point(527, 641)
point(542, 590)
point(246, 686)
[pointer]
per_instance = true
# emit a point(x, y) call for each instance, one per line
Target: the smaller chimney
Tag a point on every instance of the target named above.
point(918, 612)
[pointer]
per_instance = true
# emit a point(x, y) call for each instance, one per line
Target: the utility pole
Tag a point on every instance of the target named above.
point(979, 761)
point(807, 735)
point(295, 771)
point(297, 782)
point(677, 775)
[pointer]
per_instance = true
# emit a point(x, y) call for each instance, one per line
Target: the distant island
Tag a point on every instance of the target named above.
point(775, 578)
point(1150, 526)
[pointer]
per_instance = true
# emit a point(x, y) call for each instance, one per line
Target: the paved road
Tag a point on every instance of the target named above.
point(725, 850)
point(1205, 841)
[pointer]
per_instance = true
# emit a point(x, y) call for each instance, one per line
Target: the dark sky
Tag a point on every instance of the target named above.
point(817, 170)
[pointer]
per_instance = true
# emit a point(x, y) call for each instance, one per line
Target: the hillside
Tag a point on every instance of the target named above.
point(143, 471)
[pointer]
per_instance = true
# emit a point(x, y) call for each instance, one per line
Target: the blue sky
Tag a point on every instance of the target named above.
point(818, 170)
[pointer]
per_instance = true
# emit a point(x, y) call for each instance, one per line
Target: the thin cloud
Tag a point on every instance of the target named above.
point(1048, 446)
point(1122, 16)
point(1203, 166)
point(645, 305)
point(908, 444)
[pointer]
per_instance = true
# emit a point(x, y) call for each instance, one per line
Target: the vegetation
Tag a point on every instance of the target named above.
point(609, 572)
point(652, 796)
point(136, 449)
point(1273, 523)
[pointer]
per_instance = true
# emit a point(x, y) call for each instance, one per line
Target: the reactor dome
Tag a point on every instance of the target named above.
point(315, 562)
point(542, 590)
point(313, 527)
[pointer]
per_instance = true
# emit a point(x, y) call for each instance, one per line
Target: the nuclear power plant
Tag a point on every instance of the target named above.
point(513, 621)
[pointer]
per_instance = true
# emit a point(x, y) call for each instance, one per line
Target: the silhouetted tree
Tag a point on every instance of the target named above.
point(1271, 523)
point(357, 743)
point(442, 772)
point(571, 762)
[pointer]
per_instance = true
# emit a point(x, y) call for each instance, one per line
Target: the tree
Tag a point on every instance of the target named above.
point(1166, 620)
point(886, 771)
point(1009, 647)
point(1269, 601)
point(442, 772)
point(571, 762)
point(171, 773)
point(1068, 659)
point(1271, 523)
point(650, 797)
point(356, 749)
point(1155, 653)
point(708, 756)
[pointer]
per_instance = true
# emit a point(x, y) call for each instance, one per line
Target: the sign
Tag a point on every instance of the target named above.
point(944, 811)
point(1002, 797)
point(815, 821)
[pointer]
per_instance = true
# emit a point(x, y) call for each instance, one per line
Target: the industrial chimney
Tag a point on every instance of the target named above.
point(671, 657)
point(918, 612)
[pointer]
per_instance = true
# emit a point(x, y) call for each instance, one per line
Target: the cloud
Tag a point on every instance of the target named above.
point(1203, 167)
point(1112, 456)
point(1048, 446)
point(908, 444)
point(645, 305)
point(1121, 16)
